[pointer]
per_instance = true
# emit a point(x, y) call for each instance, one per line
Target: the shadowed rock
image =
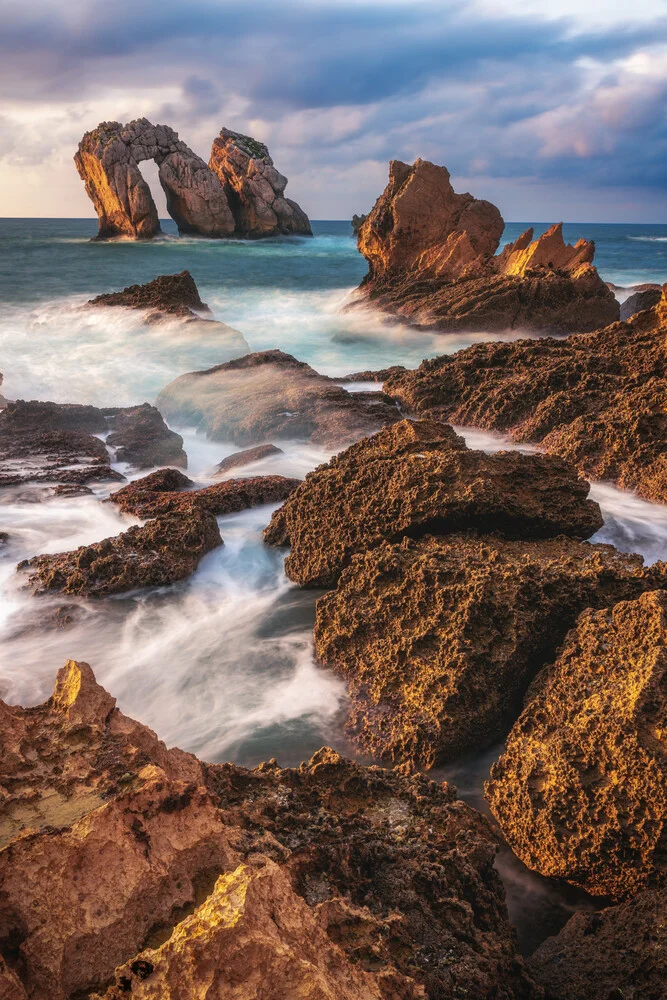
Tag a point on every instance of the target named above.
point(418, 478)
point(438, 639)
point(241, 458)
point(640, 300)
point(141, 437)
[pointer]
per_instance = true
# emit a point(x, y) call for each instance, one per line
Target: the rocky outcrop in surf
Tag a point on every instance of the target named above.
point(431, 261)
point(140, 437)
point(581, 790)
point(645, 298)
point(240, 193)
point(247, 457)
point(330, 879)
point(166, 295)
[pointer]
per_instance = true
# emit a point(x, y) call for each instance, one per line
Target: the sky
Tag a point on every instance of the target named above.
point(552, 109)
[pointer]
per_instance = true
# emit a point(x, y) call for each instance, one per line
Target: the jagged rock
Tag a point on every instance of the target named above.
point(247, 457)
point(357, 222)
point(167, 491)
point(170, 294)
point(418, 478)
point(619, 953)
point(164, 550)
point(438, 639)
point(108, 163)
point(645, 299)
point(430, 257)
point(581, 789)
point(141, 437)
point(598, 400)
point(332, 879)
point(254, 188)
point(272, 395)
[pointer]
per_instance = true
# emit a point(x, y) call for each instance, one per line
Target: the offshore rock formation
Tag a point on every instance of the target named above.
point(271, 395)
point(431, 261)
point(164, 550)
point(357, 223)
point(332, 880)
point(254, 188)
point(418, 478)
point(438, 639)
point(581, 789)
point(618, 952)
point(247, 457)
point(598, 400)
point(168, 294)
point(240, 193)
point(140, 436)
point(167, 492)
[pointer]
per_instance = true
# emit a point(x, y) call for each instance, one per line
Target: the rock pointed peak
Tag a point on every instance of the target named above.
point(79, 697)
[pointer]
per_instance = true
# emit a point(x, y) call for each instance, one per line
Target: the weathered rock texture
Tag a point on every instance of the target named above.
point(418, 478)
point(581, 789)
point(170, 294)
point(167, 491)
point(431, 260)
point(327, 881)
point(598, 400)
point(438, 639)
point(140, 436)
point(254, 188)
point(272, 395)
point(640, 300)
point(164, 550)
point(247, 457)
point(619, 952)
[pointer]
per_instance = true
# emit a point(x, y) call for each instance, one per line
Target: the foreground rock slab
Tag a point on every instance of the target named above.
point(438, 639)
point(418, 478)
point(272, 395)
point(581, 789)
point(431, 261)
point(129, 868)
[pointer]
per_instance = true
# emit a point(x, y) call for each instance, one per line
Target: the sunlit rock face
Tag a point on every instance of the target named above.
point(254, 188)
point(431, 260)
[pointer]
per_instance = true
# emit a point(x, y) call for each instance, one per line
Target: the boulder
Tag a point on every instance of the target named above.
point(272, 395)
point(329, 880)
point(247, 457)
point(140, 437)
point(418, 478)
point(167, 492)
point(619, 953)
point(431, 261)
point(254, 188)
point(640, 300)
point(438, 639)
point(598, 400)
point(168, 294)
point(581, 790)
point(164, 550)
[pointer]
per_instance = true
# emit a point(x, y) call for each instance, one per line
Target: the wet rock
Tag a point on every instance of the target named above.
point(22, 416)
point(431, 261)
point(438, 639)
point(271, 395)
point(171, 294)
point(108, 163)
point(598, 400)
point(640, 300)
point(166, 549)
point(332, 878)
point(254, 188)
point(619, 953)
point(419, 478)
point(167, 491)
point(247, 457)
point(141, 437)
point(373, 375)
point(581, 789)
point(71, 490)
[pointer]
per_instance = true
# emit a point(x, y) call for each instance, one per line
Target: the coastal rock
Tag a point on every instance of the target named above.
point(357, 222)
point(140, 436)
point(581, 790)
point(108, 163)
point(167, 492)
point(640, 300)
point(430, 256)
point(336, 879)
point(438, 639)
point(247, 457)
point(418, 478)
point(619, 952)
point(168, 294)
point(164, 550)
point(599, 400)
point(254, 188)
point(271, 395)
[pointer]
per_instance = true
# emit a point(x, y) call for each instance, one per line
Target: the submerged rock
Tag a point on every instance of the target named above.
point(272, 395)
point(419, 478)
point(598, 400)
point(254, 188)
point(438, 639)
point(331, 879)
point(164, 550)
point(581, 789)
point(431, 261)
point(167, 491)
point(241, 458)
